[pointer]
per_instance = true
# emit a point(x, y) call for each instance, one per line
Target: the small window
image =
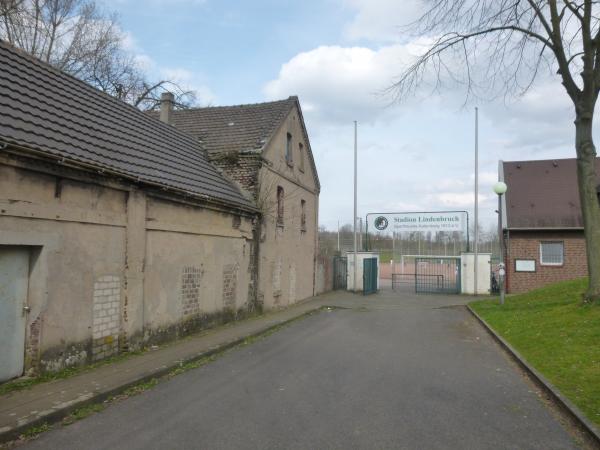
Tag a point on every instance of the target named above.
point(279, 206)
point(551, 253)
point(289, 157)
point(301, 156)
point(302, 215)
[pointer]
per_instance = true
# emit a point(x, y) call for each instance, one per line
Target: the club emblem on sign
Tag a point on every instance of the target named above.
point(381, 223)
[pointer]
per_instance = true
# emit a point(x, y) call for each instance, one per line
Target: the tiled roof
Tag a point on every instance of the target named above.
point(233, 128)
point(45, 110)
point(238, 128)
point(543, 194)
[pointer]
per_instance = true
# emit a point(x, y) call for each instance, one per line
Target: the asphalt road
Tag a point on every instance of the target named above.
point(407, 373)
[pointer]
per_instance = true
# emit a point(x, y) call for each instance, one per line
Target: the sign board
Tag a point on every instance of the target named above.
point(447, 221)
point(524, 265)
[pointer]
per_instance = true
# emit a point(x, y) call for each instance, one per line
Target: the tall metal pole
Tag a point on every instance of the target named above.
point(501, 271)
point(338, 247)
point(355, 205)
point(476, 244)
point(393, 253)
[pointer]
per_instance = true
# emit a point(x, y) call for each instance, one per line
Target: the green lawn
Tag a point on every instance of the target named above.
point(558, 335)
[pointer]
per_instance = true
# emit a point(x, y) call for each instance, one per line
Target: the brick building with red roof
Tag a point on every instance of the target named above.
point(542, 227)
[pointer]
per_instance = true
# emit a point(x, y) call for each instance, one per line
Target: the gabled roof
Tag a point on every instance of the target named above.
point(542, 194)
point(47, 111)
point(232, 128)
point(239, 128)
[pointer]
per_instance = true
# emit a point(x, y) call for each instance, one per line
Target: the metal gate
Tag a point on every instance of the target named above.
point(369, 276)
point(437, 275)
point(340, 272)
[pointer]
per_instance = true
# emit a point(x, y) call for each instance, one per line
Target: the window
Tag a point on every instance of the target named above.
point(288, 150)
point(302, 215)
point(279, 206)
point(551, 253)
point(301, 156)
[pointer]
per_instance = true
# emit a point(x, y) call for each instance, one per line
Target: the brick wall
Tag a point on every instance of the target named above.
point(190, 290)
point(324, 274)
point(526, 245)
point(230, 286)
point(240, 168)
point(106, 316)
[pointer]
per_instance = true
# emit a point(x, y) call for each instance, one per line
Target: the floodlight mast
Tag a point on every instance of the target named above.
point(355, 206)
point(476, 243)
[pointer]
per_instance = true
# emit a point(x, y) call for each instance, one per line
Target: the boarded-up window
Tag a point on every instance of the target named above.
point(279, 205)
point(302, 215)
point(301, 156)
point(289, 157)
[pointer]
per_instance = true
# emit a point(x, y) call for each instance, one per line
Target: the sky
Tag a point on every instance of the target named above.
point(339, 56)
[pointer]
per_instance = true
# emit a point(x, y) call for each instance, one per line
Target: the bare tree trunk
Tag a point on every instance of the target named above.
point(588, 195)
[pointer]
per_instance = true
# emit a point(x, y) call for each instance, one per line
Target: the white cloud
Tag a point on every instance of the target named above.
point(379, 20)
point(538, 124)
point(191, 81)
point(456, 199)
point(185, 78)
point(339, 84)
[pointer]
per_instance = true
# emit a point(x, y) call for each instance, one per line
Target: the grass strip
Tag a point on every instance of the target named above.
point(557, 334)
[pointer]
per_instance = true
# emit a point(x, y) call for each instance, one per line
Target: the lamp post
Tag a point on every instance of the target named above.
point(500, 189)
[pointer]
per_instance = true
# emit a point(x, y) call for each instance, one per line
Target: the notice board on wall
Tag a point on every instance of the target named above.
point(524, 265)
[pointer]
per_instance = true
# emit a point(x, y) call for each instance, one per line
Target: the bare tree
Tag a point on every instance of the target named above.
point(76, 37)
point(494, 48)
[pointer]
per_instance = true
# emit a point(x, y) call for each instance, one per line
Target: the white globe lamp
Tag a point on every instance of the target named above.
point(500, 188)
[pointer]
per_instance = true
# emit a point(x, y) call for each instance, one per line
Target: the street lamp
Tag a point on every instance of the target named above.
point(500, 189)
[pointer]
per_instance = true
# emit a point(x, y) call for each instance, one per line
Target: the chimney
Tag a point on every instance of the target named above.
point(166, 107)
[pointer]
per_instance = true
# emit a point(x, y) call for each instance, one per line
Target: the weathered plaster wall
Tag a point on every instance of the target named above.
point(76, 234)
point(199, 270)
point(288, 252)
point(112, 266)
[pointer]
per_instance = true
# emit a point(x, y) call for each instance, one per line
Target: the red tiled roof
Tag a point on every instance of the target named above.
point(543, 194)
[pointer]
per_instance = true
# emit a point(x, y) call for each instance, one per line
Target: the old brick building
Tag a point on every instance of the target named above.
point(264, 149)
point(542, 227)
point(116, 231)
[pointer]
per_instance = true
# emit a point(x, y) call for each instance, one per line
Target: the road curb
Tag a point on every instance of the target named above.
point(564, 403)
point(13, 433)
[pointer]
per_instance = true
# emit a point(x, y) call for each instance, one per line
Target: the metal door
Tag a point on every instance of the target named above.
point(437, 275)
point(14, 279)
point(340, 272)
point(369, 275)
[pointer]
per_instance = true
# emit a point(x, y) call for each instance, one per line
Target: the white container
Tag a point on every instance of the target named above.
point(467, 273)
point(360, 256)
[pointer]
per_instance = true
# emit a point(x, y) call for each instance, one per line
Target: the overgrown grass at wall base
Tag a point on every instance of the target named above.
point(556, 333)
